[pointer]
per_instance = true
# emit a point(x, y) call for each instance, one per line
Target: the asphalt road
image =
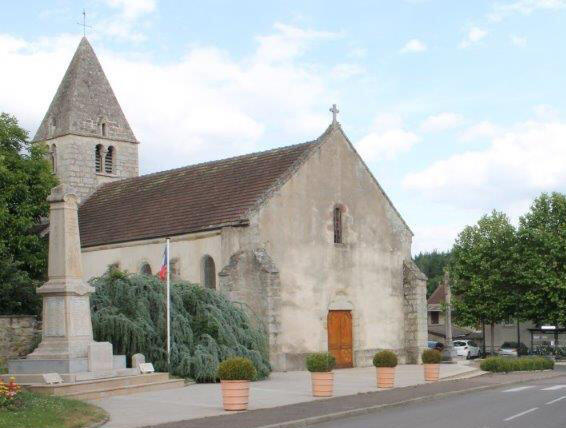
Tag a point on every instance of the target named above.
point(536, 404)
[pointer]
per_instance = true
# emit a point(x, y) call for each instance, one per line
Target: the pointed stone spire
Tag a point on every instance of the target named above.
point(85, 103)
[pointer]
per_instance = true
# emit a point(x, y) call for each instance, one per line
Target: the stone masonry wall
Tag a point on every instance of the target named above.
point(415, 307)
point(75, 162)
point(252, 278)
point(18, 335)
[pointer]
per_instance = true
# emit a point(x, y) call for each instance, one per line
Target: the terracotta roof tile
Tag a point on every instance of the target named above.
point(438, 296)
point(190, 199)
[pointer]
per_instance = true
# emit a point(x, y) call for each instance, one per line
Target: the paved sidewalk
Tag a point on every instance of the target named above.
point(315, 412)
point(202, 400)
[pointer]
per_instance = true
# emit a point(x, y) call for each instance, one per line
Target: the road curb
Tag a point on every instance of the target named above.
point(302, 423)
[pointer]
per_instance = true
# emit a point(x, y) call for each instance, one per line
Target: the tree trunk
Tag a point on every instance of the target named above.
point(483, 334)
point(492, 330)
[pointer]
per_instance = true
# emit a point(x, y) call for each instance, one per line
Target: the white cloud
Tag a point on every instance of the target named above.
point(519, 164)
point(473, 36)
point(480, 130)
point(358, 53)
point(133, 9)
point(441, 122)
point(386, 140)
point(523, 7)
point(346, 70)
point(203, 106)
point(413, 46)
point(128, 21)
point(518, 40)
point(289, 42)
point(434, 237)
point(545, 112)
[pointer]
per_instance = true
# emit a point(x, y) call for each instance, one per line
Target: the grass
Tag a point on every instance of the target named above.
point(36, 410)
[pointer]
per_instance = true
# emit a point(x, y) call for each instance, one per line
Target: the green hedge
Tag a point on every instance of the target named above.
point(237, 368)
point(508, 364)
point(320, 362)
point(385, 359)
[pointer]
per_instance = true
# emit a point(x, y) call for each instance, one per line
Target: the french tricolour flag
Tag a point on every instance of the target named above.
point(163, 270)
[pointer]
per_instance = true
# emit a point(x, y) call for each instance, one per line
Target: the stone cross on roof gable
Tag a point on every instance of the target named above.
point(334, 110)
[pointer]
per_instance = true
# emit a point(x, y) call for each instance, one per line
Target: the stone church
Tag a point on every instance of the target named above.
point(304, 235)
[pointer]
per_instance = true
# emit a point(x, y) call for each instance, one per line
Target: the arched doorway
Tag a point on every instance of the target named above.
point(340, 337)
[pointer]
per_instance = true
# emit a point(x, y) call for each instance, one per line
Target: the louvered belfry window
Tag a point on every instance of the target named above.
point(98, 158)
point(109, 161)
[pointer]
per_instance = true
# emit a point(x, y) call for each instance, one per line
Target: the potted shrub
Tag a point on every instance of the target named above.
point(431, 360)
point(235, 375)
point(320, 365)
point(385, 363)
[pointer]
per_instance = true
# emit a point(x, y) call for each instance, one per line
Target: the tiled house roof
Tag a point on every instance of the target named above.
point(438, 296)
point(194, 198)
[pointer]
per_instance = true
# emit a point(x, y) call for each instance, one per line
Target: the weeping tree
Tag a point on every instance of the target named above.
point(129, 311)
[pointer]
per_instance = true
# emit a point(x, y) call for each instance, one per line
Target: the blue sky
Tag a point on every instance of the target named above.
point(457, 107)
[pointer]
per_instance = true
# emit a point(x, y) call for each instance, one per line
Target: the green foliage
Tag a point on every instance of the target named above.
point(236, 368)
point(431, 356)
point(542, 260)
point(432, 265)
point(507, 364)
point(129, 311)
point(320, 362)
point(36, 410)
point(483, 271)
point(25, 183)
point(385, 359)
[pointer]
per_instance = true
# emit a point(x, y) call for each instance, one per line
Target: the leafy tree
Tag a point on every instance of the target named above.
point(129, 311)
point(542, 256)
point(25, 183)
point(483, 272)
point(432, 265)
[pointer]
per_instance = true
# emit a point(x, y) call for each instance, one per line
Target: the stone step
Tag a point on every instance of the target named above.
point(127, 390)
point(70, 389)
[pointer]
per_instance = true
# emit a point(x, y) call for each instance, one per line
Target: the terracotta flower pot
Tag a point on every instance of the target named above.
point(235, 394)
point(431, 372)
point(322, 384)
point(385, 377)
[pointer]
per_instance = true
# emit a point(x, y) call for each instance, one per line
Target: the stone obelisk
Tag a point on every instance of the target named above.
point(67, 327)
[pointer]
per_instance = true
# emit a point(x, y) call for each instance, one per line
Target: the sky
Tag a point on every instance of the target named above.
point(457, 107)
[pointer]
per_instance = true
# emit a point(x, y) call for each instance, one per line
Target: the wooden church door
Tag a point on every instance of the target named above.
point(340, 337)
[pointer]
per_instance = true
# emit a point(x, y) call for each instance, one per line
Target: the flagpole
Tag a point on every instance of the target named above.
point(168, 308)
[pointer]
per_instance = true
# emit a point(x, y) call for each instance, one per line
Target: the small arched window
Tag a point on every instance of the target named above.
point(208, 272)
point(103, 129)
point(145, 268)
point(98, 158)
point(338, 235)
point(109, 160)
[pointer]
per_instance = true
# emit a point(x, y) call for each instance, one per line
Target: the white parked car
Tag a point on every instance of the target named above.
point(466, 348)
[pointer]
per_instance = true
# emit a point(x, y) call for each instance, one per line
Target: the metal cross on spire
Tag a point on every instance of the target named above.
point(334, 110)
point(84, 23)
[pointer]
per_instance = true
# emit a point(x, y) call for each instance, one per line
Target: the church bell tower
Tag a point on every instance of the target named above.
point(89, 139)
